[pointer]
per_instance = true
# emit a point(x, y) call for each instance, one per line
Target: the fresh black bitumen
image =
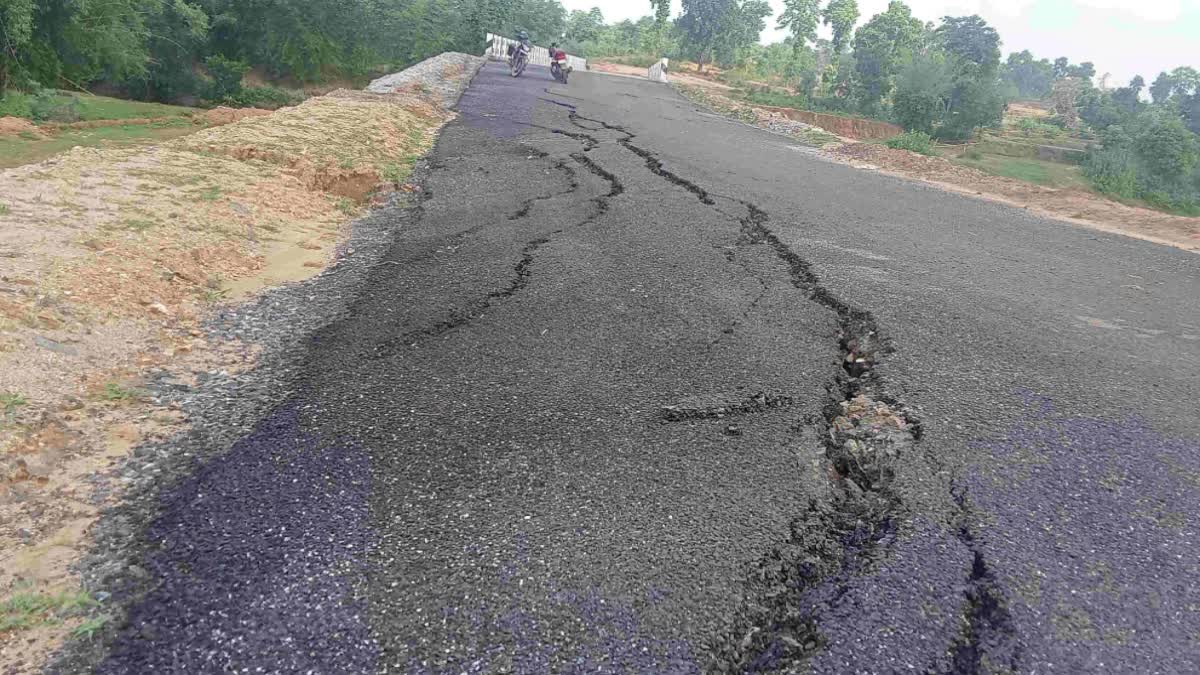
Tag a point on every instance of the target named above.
point(508, 454)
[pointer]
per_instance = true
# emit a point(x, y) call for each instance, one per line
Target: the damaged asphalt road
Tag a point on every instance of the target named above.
point(639, 389)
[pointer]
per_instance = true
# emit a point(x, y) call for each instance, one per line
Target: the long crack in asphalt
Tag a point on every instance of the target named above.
point(866, 433)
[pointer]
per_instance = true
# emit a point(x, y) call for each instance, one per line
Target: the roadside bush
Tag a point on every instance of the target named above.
point(47, 105)
point(1031, 127)
point(271, 98)
point(1155, 158)
point(15, 104)
point(922, 90)
point(913, 141)
point(226, 76)
point(766, 96)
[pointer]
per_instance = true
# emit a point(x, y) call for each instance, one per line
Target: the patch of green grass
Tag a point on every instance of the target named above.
point(913, 141)
point(211, 193)
point(777, 99)
point(115, 392)
point(4, 209)
point(398, 172)
point(215, 295)
point(9, 402)
point(88, 629)
point(26, 609)
point(347, 206)
point(1031, 127)
point(27, 149)
point(1039, 172)
point(106, 108)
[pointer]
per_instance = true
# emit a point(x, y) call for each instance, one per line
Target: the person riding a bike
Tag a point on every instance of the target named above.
point(559, 67)
point(523, 38)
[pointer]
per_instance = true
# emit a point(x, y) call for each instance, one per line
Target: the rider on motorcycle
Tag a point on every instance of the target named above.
point(558, 63)
point(523, 38)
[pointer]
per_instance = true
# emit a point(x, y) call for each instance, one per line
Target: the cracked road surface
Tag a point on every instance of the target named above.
point(599, 410)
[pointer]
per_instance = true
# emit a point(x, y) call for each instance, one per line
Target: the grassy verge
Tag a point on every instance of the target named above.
point(1039, 172)
point(84, 107)
point(28, 148)
point(27, 609)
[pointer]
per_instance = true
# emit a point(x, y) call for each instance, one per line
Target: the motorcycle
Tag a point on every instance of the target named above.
point(518, 58)
point(559, 67)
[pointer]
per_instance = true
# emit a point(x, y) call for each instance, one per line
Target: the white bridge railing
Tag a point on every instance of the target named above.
point(658, 71)
point(539, 56)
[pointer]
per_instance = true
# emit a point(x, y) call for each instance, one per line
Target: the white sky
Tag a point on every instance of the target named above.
point(1122, 37)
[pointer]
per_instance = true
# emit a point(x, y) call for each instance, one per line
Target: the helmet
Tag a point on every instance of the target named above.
point(522, 35)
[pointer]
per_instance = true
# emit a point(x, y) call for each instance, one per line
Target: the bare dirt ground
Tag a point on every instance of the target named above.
point(109, 261)
point(684, 77)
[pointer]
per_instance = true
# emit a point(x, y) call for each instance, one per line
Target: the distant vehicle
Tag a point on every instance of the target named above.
point(518, 55)
point(559, 67)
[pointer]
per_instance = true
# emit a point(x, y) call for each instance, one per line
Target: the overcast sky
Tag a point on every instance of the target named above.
point(1122, 37)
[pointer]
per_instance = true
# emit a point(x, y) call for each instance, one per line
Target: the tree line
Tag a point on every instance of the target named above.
point(944, 79)
point(947, 80)
point(178, 50)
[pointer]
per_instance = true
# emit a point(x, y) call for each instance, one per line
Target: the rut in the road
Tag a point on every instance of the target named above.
point(866, 432)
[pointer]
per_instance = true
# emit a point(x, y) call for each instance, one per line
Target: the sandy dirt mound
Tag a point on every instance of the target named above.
point(15, 126)
point(110, 259)
point(1073, 205)
point(221, 115)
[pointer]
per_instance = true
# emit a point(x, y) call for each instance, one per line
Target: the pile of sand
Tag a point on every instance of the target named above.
point(15, 126)
point(221, 115)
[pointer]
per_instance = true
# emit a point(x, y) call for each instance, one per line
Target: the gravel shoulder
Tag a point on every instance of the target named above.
point(128, 351)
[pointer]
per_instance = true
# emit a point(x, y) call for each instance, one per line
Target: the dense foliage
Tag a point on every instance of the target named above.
point(181, 49)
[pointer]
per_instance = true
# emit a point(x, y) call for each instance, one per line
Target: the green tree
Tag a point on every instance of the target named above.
point(584, 26)
point(1084, 71)
point(544, 20)
point(923, 90)
point(743, 24)
point(1185, 81)
point(16, 34)
point(800, 17)
point(880, 47)
point(701, 23)
point(1031, 77)
point(1160, 90)
point(177, 33)
point(972, 40)
point(1128, 98)
point(662, 11)
point(1062, 67)
point(841, 15)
